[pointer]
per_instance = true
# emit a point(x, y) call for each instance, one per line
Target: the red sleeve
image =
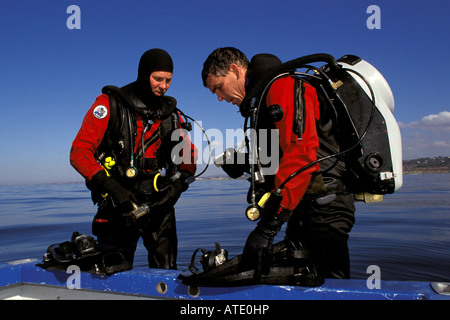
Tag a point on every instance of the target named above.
point(89, 138)
point(190, 164)
point(294, 153)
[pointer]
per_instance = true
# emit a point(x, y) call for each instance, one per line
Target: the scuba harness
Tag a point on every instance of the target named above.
point(117, 153)
point(361, 105)
point(120, 138)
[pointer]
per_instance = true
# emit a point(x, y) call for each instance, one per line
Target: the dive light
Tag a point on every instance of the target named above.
point(139, 212)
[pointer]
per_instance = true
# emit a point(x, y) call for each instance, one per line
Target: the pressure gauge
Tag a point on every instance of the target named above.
point(131, 172)
point(252, 213)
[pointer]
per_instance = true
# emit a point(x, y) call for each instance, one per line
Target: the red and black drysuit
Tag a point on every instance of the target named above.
point(101, 137)
point(321, 226)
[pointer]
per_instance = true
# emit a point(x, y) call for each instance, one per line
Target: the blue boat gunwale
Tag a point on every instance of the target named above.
point(164, 284)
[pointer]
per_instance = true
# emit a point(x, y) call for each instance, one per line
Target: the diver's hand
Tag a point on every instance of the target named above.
point(233, 163)
point(173, 193)
point(173, 190)
point(122, 197)
point(258, 252)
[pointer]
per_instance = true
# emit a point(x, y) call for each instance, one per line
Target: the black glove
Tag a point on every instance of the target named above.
point(233, 163)
point(173, 191)
point(258, 247)
point(121, 196)
point(234, 171)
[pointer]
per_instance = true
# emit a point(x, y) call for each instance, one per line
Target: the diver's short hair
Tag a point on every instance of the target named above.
point(218, 62)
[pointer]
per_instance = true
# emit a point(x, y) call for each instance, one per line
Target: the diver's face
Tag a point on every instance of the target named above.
point(160, 82)
point(230, 87)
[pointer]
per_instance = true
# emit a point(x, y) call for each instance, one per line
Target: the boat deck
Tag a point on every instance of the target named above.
point(25, 280)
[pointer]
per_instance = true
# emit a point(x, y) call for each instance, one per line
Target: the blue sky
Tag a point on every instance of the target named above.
point(50, 75)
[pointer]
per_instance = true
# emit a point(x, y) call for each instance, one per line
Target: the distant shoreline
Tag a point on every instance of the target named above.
point(427, 165)
point(426, 171)
point(217, 178)
point(423, 171)
point(415, 166)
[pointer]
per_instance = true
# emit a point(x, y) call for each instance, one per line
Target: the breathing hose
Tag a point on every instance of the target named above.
point(244, 107)
point(207, 139)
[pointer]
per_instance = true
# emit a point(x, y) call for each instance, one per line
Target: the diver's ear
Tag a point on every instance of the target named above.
point(237, 70)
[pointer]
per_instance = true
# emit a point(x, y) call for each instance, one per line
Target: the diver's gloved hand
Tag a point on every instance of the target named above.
point(234, 171)
point(174, 190)
point(122, 197)
point(233, 163)
point(258, 247)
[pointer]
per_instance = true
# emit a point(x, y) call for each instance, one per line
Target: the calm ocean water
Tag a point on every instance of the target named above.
point(407, 235)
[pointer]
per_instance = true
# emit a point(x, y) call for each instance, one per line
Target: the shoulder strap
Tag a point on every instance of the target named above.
point(111, 130)
point(116, 105)
point(117, 136)
point(299, 108)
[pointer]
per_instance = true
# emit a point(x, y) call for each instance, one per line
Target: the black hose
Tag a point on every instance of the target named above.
point(207, 139)
point(256, 91)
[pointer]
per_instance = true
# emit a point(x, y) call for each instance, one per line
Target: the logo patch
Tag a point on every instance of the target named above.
point(100, 112)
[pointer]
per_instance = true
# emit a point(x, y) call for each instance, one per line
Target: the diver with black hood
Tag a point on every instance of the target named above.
point(123, 150)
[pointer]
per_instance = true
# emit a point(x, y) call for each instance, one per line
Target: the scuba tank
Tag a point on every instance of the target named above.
point(362, 103)
point(366, 105)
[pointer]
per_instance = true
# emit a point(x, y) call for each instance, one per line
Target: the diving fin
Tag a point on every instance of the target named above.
point(84, 252)
point(291, 265)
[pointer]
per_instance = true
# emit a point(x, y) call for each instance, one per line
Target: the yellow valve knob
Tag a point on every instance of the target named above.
point(263, 199)
point(109, 162)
